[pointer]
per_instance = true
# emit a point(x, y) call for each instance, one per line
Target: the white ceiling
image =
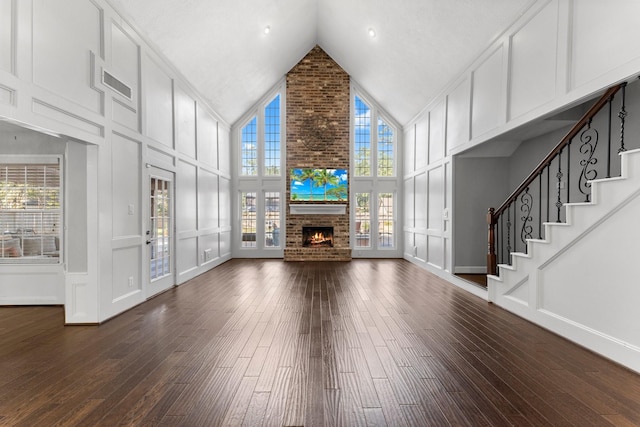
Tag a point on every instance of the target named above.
point(420, 45)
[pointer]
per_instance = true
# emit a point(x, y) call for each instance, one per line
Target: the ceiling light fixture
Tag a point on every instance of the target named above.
point(372, 32)
point(267, 30)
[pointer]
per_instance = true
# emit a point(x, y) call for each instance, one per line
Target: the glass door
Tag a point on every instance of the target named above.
point(160, 230)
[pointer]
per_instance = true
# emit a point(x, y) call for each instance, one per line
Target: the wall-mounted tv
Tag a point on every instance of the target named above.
point(319, 184)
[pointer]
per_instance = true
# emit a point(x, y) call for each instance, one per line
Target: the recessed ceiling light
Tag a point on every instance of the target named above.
point(372, 32)
point(267, 29)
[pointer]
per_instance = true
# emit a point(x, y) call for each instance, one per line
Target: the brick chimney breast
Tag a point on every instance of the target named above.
point(318, 118)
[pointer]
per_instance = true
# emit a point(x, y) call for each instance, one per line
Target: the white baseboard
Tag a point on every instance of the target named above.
point(471, 269)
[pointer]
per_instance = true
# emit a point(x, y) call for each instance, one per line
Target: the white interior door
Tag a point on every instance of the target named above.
point(160, 231)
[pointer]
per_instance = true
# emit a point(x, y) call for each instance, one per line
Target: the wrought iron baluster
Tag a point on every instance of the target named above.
point(548, 190)
point(569, 171)
point(610, 102)
point(540, 205)
point(515, 227)
point(559, 176)
point(589, 139)
point(526, 201)
point(509, 232)
point(501, 237)
point(622, 115)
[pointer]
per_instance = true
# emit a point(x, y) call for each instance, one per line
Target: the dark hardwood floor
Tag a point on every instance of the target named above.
point(264, 342)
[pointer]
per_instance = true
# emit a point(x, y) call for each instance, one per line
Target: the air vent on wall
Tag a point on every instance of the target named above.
point(116, 84)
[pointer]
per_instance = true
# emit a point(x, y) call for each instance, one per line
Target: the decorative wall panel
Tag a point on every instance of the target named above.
point(604, 36)
point(126, 278)
point(534, 82)
point(185, 122)
point(6, 35)
point(421, 201)
point(436, 132)
point(207, 200)
point(409, 150)
point(158, 111)
point(186, 197)
point(422, 142)
point(64, 34)
point(488, 88)
point(207, 133)
point(436, 198)
point(126, 194)
point(458, 115)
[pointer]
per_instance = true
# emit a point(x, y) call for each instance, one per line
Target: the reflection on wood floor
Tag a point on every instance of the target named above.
point(264, 342)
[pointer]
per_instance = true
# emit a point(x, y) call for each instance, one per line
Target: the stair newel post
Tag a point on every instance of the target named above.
point(491, 254)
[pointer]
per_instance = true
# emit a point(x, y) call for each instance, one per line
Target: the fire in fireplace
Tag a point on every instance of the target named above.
point(317, 237)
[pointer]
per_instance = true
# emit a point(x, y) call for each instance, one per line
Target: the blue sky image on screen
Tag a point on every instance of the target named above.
point(319, 185)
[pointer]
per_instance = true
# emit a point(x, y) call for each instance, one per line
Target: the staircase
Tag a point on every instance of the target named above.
point(581, 279)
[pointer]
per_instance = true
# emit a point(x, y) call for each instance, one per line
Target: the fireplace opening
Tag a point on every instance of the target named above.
point(317, 237)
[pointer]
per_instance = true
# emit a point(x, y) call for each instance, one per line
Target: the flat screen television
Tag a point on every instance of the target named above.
point(319, 185)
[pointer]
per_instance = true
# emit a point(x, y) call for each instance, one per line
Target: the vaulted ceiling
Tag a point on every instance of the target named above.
point(221, 48)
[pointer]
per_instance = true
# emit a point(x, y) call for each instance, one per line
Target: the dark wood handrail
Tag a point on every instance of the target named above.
point(589, 115)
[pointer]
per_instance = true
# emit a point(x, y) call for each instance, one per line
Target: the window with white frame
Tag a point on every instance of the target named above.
point(376, 182)
point(374, 147)
point(260, 178)
point(260, 138)
point(30, 210)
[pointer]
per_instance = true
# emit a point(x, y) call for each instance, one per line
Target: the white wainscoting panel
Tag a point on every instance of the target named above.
point(409, 150)
point(422, 142)
point(6, 35)
point(224, 150)
point(209, 247)
point(409, 203)
point(436, 195)
point(603, 36)
point(599, 292)
point(186, 197)
point(421, 201)
point(126, 164)
point(533, 62)
point(458, 102)
point(64, 33)
point(207, 133)
point(224, 200)
point(488, 88)
point(207, 200)
point(185, 122)
point(436, 132)
point(187, 259)
point(127, 262)
point(158, 112)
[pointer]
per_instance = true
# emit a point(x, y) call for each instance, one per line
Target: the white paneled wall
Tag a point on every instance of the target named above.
point(52, 58)
point(554, 55)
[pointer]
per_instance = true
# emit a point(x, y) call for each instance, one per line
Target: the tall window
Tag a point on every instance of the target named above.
point(362, 128)
point(385, 220)
point(30, 212)
point(250, 148)
point(385, 149)
point(248, 209)
point(363, 220)
point(260, 137)
point(260, 181)
point(376, 182)
point(382, 162)
point(272, 138)
point(272, 219)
